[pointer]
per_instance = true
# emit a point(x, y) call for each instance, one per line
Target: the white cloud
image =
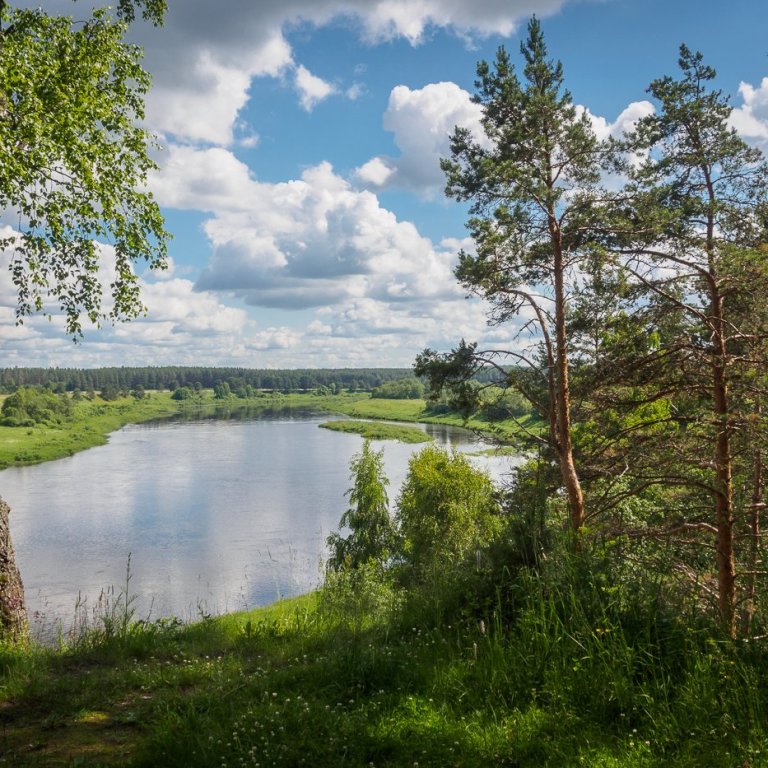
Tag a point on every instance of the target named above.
point(204, 180)
point(312, 89)
point(624, 123)
point(422, 122)
point(198, 93)
point(308, 242)
point(751, 119)
point(206, 55)
point(181, 325)
point(376, 172)
point(355, 91)
point(364, 279)
point(387, 19)
point(363, 286)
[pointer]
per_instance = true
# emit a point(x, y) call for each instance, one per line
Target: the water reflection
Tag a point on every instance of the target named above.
point(215, 514)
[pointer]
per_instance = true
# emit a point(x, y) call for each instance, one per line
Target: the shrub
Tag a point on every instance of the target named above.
point(403, 389)
point(182, 393)
point(447, 509)
point(29, 406)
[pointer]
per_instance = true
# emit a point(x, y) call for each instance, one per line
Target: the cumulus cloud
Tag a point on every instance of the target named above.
point(308, 242)
point(422, 122)
point(751, 119)
point(205, 57)
point(182, 325)
point(386, 19)
point(376, 172)
point(314, 243)
point(312, 89)
point(198, 93)
point(624, 123)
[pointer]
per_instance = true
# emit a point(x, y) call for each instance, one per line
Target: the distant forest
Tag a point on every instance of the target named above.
point(173, 377)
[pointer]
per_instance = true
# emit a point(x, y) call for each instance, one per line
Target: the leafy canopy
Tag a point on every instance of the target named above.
point(74, 162)
point(446, 510)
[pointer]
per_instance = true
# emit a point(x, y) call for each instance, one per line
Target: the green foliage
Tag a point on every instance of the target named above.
point(497, 404)
point(359, 596)
point(151, 10)
point(335, 380)
point(446, 510)
point(575, 668)
point(371, 535)
point(182, 393)
point(222, 391)
point(404, 389)
point(454, 372)
point(29, 406)
point(73, 161)
point(109, 393)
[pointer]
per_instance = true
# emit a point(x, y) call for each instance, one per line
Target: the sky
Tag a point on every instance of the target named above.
point(299, 172)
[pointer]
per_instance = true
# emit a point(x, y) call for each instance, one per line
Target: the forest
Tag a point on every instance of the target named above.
point(126, 378)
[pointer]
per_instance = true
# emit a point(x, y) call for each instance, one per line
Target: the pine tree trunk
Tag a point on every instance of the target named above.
point(724, 517)
point(756, 508)
point(563, 395)
point(726, 566)
point(13, 611)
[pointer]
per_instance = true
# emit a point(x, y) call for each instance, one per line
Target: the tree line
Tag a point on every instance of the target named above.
point(175, 377)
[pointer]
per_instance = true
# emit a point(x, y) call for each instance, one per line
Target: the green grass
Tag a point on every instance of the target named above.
point(92, 422)
point(379, 431)
point(326, 680)
point(416, 410)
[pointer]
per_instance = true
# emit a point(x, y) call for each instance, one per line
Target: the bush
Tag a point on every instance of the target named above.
point(447, 510)
point(182, 393)
point(498, 405)
point(404, 389)
point(29, 406)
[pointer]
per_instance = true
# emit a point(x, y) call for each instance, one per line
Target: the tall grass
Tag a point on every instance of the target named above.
point(551, 663)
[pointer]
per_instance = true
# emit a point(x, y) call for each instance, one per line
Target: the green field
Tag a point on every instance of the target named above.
point(371, 430)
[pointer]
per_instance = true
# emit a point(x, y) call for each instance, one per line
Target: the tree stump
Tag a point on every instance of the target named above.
point(13, 610)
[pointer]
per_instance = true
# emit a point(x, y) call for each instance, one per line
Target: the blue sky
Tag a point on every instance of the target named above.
point(299, 172)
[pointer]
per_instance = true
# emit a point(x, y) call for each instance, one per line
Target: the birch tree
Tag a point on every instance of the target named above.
point(74, 160)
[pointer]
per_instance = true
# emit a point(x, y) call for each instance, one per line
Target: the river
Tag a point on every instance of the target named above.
point(215, 515)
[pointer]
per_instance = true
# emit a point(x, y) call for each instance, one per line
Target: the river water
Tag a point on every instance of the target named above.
point(215, 515)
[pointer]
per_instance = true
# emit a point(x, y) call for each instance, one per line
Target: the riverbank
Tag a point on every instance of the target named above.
point(351, 677)
point(90, 425)
point(93, 420)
